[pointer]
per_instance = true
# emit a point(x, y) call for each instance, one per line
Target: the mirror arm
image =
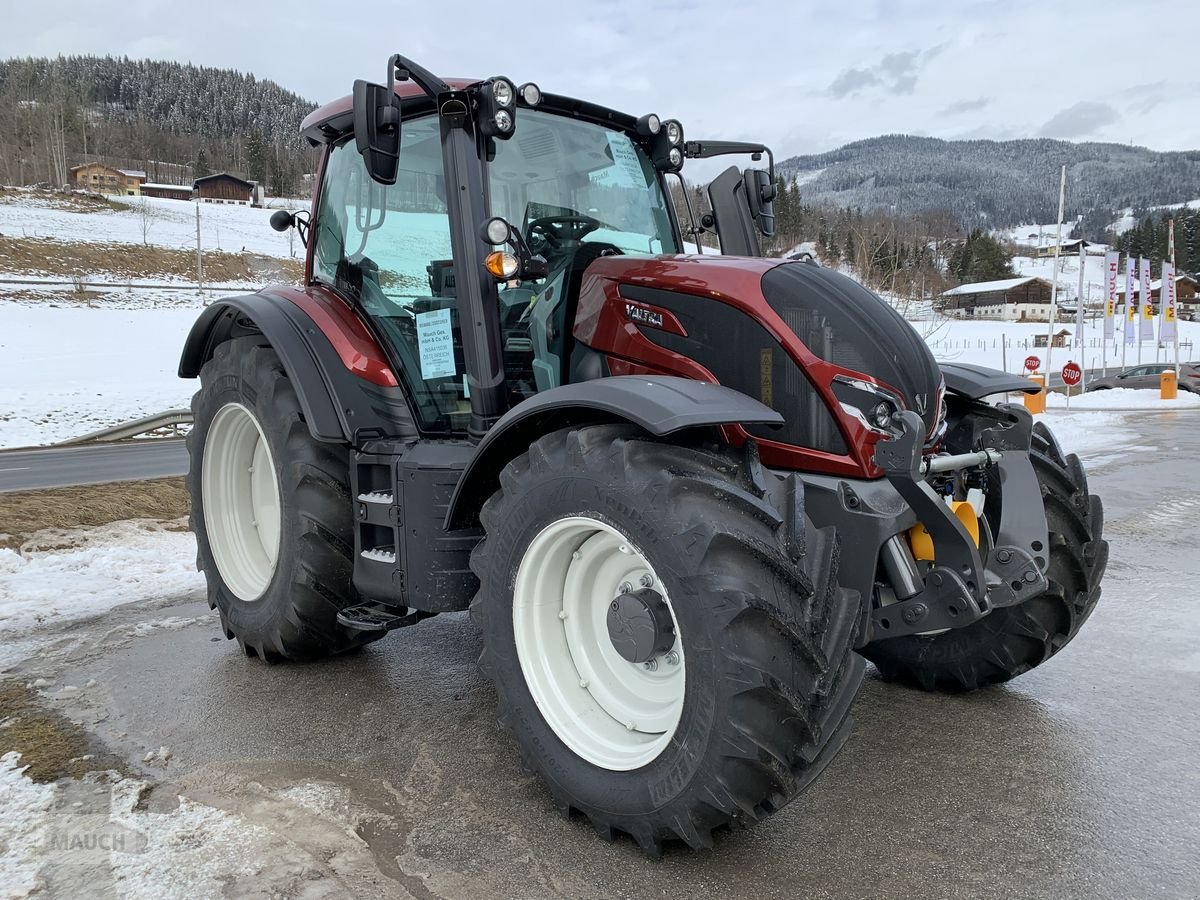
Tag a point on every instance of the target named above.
point(404, 69)
point(709, 149)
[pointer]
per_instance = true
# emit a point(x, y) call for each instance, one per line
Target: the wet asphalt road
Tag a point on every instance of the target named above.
point(1080, 779)
point(47, 467)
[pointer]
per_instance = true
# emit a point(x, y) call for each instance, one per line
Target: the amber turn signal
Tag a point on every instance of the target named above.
point(501, 265)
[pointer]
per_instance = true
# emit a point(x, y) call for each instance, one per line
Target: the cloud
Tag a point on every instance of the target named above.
point(1144, 97)
point(965, 106)
point(895, 73)
point(1079, 120)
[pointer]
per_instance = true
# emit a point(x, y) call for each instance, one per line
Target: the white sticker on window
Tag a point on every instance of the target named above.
point(435, 343)
point(626, 170)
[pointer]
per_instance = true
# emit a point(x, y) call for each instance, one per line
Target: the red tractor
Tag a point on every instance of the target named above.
point(683, 494)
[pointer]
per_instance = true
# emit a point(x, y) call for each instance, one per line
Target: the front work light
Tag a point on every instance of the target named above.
point(497, 108)
point(496, 231)
point(667, 146)
point(531, 94)
point(649, 125)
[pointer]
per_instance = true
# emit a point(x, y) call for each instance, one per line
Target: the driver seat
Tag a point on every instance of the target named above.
point(551, 327)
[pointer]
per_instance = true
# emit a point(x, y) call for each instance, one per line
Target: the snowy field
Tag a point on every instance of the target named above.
point(149, 220)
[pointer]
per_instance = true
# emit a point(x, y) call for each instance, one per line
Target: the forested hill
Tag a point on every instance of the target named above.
point(992, 184)
point(121, 108)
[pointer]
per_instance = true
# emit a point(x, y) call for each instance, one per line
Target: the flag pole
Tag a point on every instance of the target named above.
point(1161, 291)
point(1062, 196)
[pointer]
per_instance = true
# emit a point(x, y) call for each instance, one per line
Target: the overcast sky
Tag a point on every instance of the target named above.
point(802, 76)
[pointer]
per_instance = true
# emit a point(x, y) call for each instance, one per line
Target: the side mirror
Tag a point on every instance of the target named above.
point(760, 194)
point(377, 130)
point(281, 220)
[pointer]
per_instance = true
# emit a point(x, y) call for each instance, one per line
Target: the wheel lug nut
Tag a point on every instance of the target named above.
point(672, 658)
point(625, 588)
point(651, 665)
point(647, 580)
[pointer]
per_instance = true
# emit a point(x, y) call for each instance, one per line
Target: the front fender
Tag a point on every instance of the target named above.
point(338, 406)
point(976, 382)
point(659, 404)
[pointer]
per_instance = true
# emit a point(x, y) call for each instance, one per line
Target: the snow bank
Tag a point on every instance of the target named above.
point(88, 571)
point(23, 827)
point(194, 851)
point(1124, 398)
point(1088, 433)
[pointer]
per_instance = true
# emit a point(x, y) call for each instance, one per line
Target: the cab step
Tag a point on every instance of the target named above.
point(378, 617)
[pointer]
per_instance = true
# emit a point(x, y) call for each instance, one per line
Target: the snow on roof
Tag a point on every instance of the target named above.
point(168, 187)
point(132, 173)
point(985, 287)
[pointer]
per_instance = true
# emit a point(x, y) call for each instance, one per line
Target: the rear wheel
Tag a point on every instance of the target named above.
point(1012, 640)
point(672, 653)
point(271, 510)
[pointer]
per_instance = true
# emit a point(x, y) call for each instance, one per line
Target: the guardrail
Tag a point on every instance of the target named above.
point(172, 417)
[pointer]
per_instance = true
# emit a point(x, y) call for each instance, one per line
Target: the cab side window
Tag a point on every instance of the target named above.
point(387, 248)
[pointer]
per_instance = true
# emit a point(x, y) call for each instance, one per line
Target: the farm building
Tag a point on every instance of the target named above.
point(1009, 300)
point(103, 179)
point(224, 188)
point(1185, 293)
point(1061, 339)
point(167, 191)
point(1071, 247)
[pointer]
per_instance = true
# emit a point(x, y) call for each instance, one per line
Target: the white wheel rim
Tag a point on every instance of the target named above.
point(614, 713)
point(241, 501)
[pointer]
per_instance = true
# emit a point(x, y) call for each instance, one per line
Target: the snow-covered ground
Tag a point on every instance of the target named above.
point(65, 371)
point(149, 220)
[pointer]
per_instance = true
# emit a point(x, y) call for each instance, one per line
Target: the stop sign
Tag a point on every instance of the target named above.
point(1071, 374)
point(1032, 362)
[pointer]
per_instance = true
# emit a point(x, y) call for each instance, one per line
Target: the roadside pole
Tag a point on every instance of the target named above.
point(1062, 196)
point(199, 254)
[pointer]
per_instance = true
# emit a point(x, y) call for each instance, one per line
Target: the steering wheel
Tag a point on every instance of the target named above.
point(557, 230)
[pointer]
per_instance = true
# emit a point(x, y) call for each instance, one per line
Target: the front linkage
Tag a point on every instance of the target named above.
point(961, 587)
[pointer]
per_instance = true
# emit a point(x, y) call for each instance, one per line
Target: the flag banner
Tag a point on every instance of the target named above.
point(1079, 299)
point(1147, 305)
point(1112, 263)
point(1167, 328)
point(1130, 308)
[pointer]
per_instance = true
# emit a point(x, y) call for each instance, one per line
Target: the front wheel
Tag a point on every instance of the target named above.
point(671, 653)
point(1014, 639)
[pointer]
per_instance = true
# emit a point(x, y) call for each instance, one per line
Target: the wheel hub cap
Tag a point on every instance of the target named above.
point(640, 625)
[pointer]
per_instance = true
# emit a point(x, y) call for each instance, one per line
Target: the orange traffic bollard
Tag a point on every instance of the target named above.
point(1036, 403)
point(1168, 385)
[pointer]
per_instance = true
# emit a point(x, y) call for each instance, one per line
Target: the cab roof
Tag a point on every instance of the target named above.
point(333, 120)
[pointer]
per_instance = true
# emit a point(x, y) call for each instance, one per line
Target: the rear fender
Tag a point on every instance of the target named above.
point(338, 406)
point(658, 404)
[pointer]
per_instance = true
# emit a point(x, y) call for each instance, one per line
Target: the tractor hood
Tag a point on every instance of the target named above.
point(847, 325)
point(837, 319)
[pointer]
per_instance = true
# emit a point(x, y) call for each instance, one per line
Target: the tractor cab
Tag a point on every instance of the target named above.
point(418, 172)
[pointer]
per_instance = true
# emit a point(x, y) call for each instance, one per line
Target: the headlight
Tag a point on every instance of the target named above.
point(874, 406)
point(676, 157)
point(496, 231)
point(674, 132)
point(502, 90)
point(504, 120)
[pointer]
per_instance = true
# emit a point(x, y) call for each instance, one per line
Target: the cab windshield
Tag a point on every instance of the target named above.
point(556, 168)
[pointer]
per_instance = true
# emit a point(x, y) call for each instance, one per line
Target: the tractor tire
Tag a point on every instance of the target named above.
point(1012, 640)
point(751, 701)
point(276, 547)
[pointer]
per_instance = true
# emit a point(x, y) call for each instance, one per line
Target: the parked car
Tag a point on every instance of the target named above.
point(1146, 378)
